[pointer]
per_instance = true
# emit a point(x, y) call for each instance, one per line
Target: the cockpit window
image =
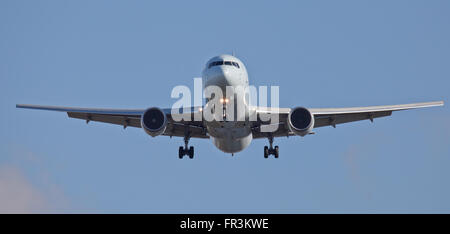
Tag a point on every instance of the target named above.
point(219, 63)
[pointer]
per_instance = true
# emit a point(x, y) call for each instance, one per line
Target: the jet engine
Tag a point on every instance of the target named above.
point(301, 121)
point(154, 121)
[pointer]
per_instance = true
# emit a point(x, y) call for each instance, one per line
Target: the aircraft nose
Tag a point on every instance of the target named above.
point(221, 76)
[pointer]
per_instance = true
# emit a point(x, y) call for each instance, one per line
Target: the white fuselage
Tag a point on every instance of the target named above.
point(229, 136)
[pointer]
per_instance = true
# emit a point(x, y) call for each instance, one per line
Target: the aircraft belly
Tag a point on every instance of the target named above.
point(230, 139)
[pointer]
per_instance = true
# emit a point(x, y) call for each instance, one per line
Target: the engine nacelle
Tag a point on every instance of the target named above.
point(301, 121)
point(154, 121)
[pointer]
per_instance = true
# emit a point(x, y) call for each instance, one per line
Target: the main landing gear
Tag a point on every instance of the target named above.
point(270, 150)
point(186, 151)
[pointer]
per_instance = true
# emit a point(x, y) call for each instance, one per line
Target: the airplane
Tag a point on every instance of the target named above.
point(230, 136)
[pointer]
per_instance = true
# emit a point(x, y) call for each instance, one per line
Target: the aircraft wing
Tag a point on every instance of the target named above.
point(126, 118)
point(333, 116)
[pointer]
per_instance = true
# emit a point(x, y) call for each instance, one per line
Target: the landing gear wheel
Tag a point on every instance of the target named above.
point(270, 150)
point(191, 152)
point(275, 153)
point(180, 152)
point(266, 152)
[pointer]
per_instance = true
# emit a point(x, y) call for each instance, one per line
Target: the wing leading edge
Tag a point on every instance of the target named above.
point(125, 118)
point(333, 116)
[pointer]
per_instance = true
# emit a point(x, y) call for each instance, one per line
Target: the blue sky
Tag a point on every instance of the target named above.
point(130, 54)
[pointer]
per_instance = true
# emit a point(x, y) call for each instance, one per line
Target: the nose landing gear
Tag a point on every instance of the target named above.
point(186, 151)
point(270, 150)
